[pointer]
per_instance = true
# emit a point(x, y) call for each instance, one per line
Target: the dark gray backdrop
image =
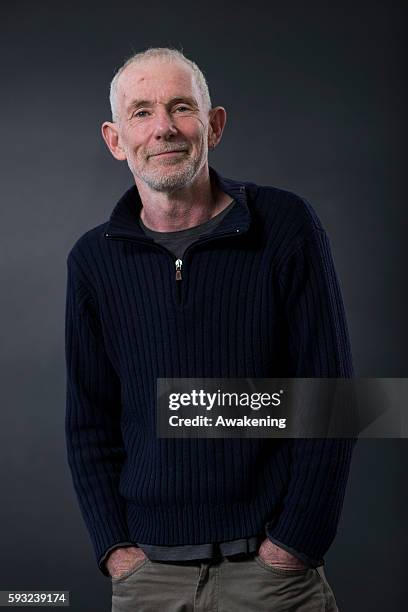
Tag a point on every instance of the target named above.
point(315, 98)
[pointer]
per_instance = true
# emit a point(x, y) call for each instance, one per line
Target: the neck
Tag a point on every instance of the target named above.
point(184, 208)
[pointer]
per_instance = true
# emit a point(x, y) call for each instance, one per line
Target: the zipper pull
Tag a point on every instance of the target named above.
point(178, 264)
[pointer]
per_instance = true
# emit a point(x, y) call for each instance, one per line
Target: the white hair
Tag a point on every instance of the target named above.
point(164, 53)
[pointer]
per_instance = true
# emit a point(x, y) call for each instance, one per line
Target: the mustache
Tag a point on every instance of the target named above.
point(168, 150)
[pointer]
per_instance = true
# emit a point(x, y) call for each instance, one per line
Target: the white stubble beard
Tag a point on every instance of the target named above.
point(186, 170)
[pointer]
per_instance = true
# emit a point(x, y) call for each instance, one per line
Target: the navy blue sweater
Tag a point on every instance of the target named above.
point(258, 297)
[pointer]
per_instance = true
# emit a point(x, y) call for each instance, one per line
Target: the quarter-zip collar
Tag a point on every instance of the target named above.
point(124, 219)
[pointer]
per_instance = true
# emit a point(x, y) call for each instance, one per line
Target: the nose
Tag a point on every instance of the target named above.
point(164, 126)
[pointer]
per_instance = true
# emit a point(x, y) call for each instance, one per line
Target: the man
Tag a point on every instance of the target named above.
point(196, 275)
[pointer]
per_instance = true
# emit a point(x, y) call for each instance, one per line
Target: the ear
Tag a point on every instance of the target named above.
point(110, 135)
point(217, 120)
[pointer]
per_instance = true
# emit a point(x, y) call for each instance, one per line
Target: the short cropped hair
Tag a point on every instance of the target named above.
point(165, 53)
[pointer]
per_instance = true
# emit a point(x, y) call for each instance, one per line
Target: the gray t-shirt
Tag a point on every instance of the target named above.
point(178, 241)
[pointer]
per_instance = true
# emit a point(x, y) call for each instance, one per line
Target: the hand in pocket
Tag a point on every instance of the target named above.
point(274, 555)
point(121, 561)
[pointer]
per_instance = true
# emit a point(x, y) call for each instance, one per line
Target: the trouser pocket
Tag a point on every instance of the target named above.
point(139, 565)
point(303, 590)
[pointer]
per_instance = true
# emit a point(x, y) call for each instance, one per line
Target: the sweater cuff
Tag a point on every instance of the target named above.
point(106, 535)
point(309, 561)
point(101, 562)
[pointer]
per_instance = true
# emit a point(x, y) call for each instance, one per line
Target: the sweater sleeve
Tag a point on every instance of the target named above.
point(318, 347)
point(94, 443)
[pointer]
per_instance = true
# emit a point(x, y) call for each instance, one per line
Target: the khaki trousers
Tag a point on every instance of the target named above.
point(243, 583)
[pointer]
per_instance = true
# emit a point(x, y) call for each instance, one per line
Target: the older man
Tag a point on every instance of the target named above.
point(197, 275)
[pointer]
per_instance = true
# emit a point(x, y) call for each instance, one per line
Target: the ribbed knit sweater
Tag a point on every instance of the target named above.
point(258, 297)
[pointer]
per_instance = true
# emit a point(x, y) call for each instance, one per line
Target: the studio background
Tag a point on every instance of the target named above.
point(315, 96)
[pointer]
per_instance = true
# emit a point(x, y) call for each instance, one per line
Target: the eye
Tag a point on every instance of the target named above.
point(139, 113)
point(181, 108)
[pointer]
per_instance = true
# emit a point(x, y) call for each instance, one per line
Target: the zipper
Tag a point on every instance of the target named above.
point(178, 263)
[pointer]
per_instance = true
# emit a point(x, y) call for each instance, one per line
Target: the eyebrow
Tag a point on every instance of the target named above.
point(189, 100)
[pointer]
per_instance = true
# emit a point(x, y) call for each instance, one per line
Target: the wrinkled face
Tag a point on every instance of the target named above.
point(163, 127)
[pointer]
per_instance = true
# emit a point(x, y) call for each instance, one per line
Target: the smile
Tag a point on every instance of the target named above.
point(166, 153)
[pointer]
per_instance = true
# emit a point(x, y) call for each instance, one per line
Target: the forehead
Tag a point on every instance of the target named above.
point(156, 80)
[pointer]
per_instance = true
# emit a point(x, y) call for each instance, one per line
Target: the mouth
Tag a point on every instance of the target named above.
point(169, 153)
